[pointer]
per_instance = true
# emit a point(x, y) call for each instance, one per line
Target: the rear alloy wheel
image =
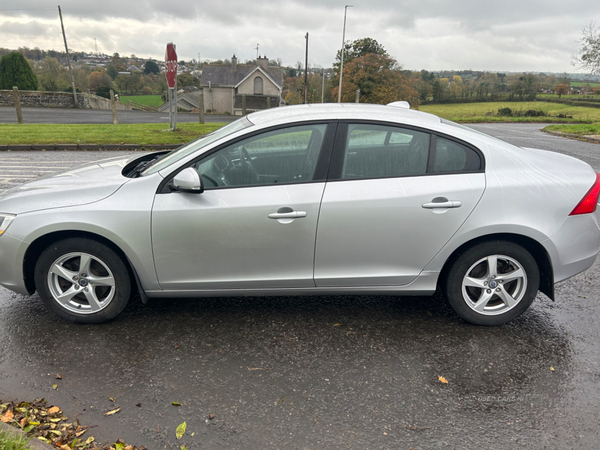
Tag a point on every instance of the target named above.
point(492, 283)
point(82, 280)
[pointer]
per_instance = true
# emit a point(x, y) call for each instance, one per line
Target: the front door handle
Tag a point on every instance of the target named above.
point(442, 202)
point(288, 215)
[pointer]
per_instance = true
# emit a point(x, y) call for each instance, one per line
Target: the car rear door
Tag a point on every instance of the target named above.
point(396, 195)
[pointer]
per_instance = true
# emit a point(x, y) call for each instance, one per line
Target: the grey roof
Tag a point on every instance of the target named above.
point(228, 76)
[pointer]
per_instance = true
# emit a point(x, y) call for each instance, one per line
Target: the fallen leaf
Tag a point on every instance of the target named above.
point(89, 440)
point(112, 399)
point(114, 411)
point(54, 409)
point(175, 403)
point(128, 447)
point(54, 386)
point(58, 376)
point(552, 369)
point(183, 447)
point(177, 345)
point(180, 431)
point(442, 379)
point(7, 417)
point(211, 416)
point(337, 325)
point(23, 420)
point(65, 447)
point(79, 433)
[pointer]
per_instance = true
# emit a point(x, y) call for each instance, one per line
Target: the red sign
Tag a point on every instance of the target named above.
point(171, 65)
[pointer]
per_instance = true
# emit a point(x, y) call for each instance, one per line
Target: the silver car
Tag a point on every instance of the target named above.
point(316, 199)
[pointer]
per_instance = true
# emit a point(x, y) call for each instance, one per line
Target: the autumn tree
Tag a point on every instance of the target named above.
point(16, 71)
point(53, 75)
point(99, 79)
point(379, 79)
point(185, 79)
point(589, 53)
point(561, 89)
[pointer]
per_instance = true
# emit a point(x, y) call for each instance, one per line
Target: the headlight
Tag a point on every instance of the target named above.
point(5, 220)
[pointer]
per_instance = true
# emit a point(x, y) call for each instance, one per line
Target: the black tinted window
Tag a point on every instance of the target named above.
point(450, 156)
point(376, 151)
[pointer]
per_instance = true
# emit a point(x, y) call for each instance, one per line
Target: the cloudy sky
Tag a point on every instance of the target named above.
point(508, 35)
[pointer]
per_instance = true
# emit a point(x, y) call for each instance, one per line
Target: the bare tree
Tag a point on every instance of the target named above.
point(588, 57)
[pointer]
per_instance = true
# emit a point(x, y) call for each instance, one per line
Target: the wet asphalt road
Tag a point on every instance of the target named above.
point(317, 373)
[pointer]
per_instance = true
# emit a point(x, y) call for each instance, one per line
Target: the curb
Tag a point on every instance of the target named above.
point(578, 137)
point(33, 444)
point(87, 147)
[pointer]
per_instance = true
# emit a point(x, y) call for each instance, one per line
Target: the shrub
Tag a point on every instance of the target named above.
point(16, 71)
point(505, 112)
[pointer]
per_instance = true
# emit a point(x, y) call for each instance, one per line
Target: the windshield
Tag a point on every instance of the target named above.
point(197, 144)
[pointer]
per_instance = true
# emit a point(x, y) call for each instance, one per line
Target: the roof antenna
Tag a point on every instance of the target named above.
point(257, 45)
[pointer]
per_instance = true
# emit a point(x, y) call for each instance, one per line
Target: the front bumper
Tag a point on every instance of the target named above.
point(11, 264)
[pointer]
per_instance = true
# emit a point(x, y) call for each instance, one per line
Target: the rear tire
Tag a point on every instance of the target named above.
point(82, 280)
point(492, 282)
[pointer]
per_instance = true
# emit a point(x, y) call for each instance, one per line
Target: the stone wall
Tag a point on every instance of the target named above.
point(43, 98)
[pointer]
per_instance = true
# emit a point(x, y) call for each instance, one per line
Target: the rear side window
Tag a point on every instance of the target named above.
point(450, 156)
point(377, 151)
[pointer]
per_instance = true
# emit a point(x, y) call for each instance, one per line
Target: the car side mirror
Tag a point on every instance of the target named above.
point(189, 180)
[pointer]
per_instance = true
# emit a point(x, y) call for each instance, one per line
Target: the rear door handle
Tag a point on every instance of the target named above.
point(442, 202)
point(288, 215)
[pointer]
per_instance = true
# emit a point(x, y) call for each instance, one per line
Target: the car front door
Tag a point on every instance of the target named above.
point(396, 197)
point(254, 226)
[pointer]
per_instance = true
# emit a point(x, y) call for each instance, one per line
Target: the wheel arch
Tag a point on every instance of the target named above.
point(36, 248)
point(536, 249)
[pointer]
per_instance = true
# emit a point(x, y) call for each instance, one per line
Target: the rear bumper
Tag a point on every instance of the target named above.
point(576, 246)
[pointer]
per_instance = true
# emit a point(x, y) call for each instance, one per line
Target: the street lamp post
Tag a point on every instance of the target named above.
point(342, 61)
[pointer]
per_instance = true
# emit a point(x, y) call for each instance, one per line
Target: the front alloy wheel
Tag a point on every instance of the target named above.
point(82, 280)
point(492, 283)
point(81, 283)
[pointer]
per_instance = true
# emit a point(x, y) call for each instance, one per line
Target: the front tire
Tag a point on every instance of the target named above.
point(492, 282)
point(82, 280)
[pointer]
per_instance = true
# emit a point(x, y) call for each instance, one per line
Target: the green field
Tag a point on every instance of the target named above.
point(487, 112)
point(581, 129)
point(142, 133)
point(148, 100)
point(583, 83)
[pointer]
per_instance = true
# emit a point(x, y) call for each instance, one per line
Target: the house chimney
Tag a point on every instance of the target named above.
point(263, 62)
point(234, 62)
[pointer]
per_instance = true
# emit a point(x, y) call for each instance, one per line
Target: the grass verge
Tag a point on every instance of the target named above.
point(581, 129)
point(9, 441)
point(148, 100)
point(487, 112)
point(140, 133)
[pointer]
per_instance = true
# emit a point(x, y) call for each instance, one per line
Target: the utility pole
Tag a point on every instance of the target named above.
point(342, 61)
point(323, 88)
point(257, 45)
point(306, 70)
point(68, 58)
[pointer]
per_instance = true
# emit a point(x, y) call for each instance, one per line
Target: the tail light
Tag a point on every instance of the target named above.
point(589, 201)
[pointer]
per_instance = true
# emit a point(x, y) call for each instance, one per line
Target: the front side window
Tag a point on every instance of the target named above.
point(282, 156)
point(377, 151)
point(198, 144)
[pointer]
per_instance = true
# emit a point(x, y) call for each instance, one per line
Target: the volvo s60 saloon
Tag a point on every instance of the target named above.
point(301, 200)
